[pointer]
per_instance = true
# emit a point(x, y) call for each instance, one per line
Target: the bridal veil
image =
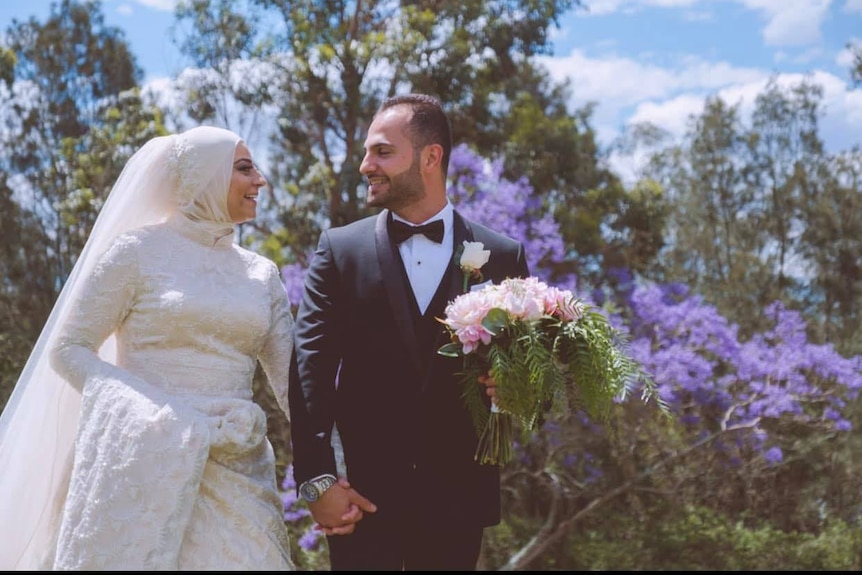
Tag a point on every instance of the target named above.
point(38, 424)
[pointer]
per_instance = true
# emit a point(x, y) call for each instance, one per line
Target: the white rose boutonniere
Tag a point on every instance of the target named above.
point(473, 256)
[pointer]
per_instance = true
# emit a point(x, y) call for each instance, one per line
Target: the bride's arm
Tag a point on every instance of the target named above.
point(104, 301)
point(277, 349)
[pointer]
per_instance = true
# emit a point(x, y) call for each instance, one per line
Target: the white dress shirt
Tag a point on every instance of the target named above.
point(424, 260)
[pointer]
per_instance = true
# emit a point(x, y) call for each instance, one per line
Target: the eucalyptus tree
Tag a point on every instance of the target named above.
point(319, 69)
point(71, 115)
point(788, 160)
point(714, 240)
point(66, 69)
point(831, 243)
point(25, 287)
point(743, 195)
point(856, 66)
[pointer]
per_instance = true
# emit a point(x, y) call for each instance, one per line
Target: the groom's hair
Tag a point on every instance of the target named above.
point(428, 125)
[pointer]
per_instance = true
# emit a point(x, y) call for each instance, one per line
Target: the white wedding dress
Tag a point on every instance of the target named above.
point(173, 469)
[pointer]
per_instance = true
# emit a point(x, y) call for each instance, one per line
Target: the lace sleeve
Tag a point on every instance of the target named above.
point(104, 302)
point(278, 347)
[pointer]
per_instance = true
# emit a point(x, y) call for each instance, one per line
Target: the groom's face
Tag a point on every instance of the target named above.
point(391, 165)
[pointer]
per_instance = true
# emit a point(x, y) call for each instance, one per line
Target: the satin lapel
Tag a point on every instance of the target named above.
point(462, 232)
point(390, 266)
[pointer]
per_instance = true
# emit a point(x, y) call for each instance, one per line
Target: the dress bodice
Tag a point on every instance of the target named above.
point(193, 313)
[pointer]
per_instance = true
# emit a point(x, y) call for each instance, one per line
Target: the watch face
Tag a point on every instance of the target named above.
point(308, 491)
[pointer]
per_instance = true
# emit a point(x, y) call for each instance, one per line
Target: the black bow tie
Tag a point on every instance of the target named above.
point(399, 231)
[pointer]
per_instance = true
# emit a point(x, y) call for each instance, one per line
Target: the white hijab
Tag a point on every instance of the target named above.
point(188, 174)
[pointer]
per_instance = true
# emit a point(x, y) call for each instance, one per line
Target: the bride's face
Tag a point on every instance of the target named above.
point(245, 184)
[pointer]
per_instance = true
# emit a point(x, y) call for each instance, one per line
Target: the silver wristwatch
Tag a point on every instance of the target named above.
point(312, 489)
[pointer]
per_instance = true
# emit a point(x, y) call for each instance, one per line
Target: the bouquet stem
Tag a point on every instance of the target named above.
point(495, 443)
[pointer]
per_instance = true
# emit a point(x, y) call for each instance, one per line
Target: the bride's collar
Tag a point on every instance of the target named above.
point(210, 234)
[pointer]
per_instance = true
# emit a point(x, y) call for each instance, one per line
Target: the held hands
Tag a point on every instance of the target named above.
point(339, 509)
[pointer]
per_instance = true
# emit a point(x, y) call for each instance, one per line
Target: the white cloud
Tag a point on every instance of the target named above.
point(845, 57)
point(788, 22)
point(128, 7)
point(600, 7)
point(619, 85)
point(164, 5)
point(841, 105)
point(791, 22)
point(671, 115)
point(853, 6)
point(627, 91)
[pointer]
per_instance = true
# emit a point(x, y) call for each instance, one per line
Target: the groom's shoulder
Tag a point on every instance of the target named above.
point(492, 238)
point(360, 228)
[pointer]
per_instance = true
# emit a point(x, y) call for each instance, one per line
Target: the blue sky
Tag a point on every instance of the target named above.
point(636, 60)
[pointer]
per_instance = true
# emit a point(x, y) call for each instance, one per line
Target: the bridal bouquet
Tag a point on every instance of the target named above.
point(544, 348)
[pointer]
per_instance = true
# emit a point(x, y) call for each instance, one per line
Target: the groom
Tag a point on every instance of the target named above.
point(366, 360)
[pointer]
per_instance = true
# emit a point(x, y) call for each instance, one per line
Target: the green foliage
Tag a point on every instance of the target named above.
point(72, 135)
point(693, 539)
point(7, 66)
point(563, 362)
point(729, 192)
point(345, 58)
point(856, 67)
point(760, 212)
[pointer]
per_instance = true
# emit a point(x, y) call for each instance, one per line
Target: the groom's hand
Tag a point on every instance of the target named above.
point(490, 386)
point(339, 509)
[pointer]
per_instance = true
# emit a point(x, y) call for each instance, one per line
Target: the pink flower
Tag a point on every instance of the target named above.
point(464, 318)
point(562, 304)
point(471, 335)
point(523, 299)
point(526, 311)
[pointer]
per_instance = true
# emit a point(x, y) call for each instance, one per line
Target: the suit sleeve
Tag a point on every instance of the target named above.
point(317, 356)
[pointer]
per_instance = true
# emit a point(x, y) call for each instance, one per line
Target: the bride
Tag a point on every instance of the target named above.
point(131, 440)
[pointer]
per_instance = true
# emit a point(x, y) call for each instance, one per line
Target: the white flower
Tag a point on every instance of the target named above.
point(473, 257)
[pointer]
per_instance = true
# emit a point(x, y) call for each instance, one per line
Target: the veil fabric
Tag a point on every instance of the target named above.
point(39, 423)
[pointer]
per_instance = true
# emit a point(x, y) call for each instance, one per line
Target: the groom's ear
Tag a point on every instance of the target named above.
point(432, 156)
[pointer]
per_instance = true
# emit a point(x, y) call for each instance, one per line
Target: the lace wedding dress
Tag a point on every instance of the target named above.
point(171, 459)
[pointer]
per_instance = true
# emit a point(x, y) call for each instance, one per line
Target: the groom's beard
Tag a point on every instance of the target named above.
point(404, 190)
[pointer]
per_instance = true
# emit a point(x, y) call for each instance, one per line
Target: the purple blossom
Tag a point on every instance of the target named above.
point(293, 276)
point(699, 362)
point(480, 193)
point(294, 510)
point(310, 540)
point(773, 455)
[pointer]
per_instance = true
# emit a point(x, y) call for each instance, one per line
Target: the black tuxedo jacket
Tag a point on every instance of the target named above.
point(408, 439)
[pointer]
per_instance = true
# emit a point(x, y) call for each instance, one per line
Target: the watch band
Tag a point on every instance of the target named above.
point(312, 489)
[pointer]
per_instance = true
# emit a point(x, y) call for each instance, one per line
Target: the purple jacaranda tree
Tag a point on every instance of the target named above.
point(694, 354)
point(712, 378)
point(479, 191)
point(731, 400)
